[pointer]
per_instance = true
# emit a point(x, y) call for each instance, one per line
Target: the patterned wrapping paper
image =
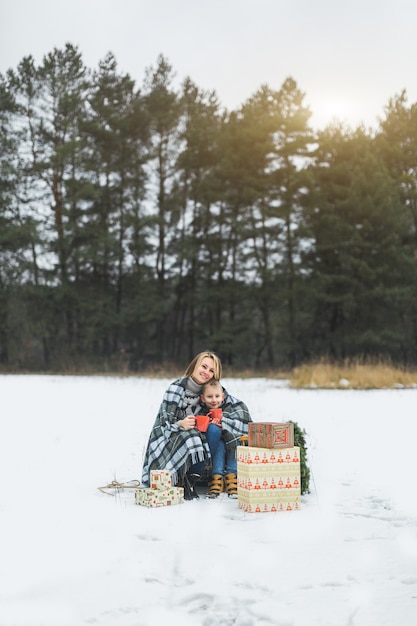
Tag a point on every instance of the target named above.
point(146, 496)
point(253, 456)
point(160, 479)
point(284, 483)
point(271, 434)
point(266, 502)
point(268, 479)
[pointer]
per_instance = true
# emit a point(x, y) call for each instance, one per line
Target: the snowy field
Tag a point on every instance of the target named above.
point(73, 556)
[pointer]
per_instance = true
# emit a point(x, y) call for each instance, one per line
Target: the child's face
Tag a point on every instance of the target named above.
point(213, 397)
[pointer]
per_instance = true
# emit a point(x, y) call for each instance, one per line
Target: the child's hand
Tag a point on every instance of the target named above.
point(215, 416)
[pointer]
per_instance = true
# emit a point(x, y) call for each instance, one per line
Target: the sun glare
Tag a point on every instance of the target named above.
point(336, 110)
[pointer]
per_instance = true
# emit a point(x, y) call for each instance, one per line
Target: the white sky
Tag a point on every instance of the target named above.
point(349, 58)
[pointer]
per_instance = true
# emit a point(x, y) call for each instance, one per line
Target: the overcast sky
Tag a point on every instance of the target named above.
point(348, 57)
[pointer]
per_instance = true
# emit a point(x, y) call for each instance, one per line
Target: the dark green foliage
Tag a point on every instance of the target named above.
point(300, 441)
point(140, 225)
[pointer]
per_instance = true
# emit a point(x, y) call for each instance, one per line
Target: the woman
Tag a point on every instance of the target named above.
point(174, 443)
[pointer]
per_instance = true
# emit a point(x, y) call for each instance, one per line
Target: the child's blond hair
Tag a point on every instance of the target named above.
point(211, 383)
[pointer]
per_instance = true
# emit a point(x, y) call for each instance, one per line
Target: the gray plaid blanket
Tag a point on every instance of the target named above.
point(173, 448)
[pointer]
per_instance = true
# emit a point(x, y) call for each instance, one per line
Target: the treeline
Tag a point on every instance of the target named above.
point(139, 225)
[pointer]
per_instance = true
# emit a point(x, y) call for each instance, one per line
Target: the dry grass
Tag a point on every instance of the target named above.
point(231, 372)
point(320, 375)
point(352, 375)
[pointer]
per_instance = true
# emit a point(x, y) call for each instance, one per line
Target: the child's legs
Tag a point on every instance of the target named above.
point(213, 439)
point(219, 458)
point(231, 461)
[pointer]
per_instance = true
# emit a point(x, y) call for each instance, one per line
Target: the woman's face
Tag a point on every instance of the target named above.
point(204, 371)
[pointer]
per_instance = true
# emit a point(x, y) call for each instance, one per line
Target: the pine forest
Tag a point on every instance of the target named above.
point(140, 224)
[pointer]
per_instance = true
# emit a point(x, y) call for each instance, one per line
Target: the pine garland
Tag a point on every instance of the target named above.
point(300, 441)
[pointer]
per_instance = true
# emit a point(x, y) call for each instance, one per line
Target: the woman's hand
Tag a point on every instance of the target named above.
point(188, 422)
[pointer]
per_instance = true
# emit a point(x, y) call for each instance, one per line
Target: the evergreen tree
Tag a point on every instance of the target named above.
point(163, 107)
point(397, 146)
point(196, 248)
point(10, 233)
point(359, 265)
point(293, 142)
point(246, 147)
point(50, 102)
point(112, 235)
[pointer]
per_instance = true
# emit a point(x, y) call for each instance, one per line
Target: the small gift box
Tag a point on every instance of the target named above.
point(271, 434)
point(149, 497)
point(160, 479)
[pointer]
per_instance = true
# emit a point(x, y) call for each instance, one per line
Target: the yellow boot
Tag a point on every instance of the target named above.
point(230, 481)
point(216, 486)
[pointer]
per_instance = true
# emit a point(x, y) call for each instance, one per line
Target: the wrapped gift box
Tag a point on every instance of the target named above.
point(146, 496)
point(284, 483)
point(268, 479)
point(260, 502)
point(254, 456)
point(160, 479)
point(271, 434)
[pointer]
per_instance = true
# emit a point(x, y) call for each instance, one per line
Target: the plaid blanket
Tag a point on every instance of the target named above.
point(173, 448)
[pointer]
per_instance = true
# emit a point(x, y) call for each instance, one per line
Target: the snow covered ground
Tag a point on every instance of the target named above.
point(73, 556)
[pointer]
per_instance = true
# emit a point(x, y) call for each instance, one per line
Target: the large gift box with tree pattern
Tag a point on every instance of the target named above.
point(268, 479)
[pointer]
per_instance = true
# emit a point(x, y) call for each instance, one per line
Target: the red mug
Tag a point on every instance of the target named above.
point(216, 416)
point(202, 422)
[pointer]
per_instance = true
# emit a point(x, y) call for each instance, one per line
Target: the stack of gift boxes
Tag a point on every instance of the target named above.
point(161, 492)
point(268, 469)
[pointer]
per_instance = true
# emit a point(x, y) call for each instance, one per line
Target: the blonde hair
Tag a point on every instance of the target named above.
point(212, 383)
point(197, 360)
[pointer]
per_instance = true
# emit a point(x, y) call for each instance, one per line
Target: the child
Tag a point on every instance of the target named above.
point(224, 471)
point(213, 395)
